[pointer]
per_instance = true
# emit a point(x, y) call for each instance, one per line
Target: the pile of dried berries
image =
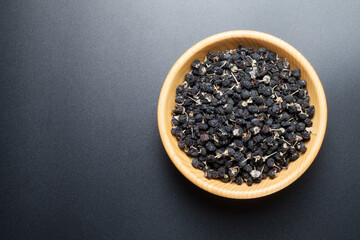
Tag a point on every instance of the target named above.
point(242, 115)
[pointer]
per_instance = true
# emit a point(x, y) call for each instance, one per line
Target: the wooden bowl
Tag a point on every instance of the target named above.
point(230, 40)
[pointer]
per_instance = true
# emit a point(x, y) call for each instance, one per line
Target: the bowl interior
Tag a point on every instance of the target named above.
point(230, 40)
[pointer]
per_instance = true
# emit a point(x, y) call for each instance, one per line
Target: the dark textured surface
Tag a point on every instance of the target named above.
point(81, 157)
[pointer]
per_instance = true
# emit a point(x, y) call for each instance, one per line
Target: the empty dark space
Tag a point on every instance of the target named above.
point(80, 152)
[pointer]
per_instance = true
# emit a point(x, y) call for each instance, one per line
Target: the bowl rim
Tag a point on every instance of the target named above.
point(177, 161)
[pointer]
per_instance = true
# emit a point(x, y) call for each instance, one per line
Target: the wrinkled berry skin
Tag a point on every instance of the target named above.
point(242, 115)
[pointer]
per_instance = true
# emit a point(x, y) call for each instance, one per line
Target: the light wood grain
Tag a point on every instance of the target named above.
point(230, 40)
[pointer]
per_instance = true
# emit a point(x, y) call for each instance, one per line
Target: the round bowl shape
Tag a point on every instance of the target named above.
point(230, 40)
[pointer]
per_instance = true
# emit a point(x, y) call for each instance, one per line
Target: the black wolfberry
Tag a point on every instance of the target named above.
point(242, 115)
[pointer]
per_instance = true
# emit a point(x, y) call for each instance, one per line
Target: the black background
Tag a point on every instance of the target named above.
point(81, 157)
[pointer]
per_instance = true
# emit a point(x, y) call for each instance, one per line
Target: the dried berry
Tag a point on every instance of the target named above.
point(181, 144)
point(204, 137)
point(249, 181)
point(242, 115)
point(238, 181)
point(272, 173)
point(225, 178)
point(196, 163)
